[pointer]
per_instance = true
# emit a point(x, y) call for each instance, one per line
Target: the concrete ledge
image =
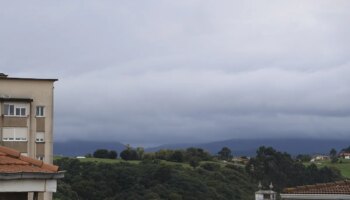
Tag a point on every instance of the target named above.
point(28, 185)
point(31, 175)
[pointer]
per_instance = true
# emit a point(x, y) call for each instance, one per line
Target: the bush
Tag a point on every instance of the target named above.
point(101, 153)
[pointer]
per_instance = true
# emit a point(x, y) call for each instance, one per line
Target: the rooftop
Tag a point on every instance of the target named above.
point(13, 164)
point(5, 76)
point(338, 187)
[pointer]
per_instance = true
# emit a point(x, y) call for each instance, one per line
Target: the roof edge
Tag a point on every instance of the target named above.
point(31, 175)
point(35, 162)
point(31, 79)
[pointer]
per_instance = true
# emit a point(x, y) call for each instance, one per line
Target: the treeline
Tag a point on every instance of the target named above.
point(187, 155)
point(271, 166)
point(154, 178)
point(152, 181)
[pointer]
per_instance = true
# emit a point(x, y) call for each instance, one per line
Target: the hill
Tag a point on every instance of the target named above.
point(79, 147)
point(248, 147)
point(149, 180)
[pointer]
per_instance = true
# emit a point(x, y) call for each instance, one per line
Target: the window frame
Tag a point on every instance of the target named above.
point(40, 111)
point(40, 140)
point(13, 137)
point(22, 110)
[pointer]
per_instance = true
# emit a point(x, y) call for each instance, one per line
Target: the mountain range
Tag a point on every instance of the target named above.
point(239, 147)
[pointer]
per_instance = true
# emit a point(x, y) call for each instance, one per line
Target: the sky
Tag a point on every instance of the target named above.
point(159, 71)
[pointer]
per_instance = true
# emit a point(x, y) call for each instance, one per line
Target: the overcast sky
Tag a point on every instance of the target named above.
point(153, 72)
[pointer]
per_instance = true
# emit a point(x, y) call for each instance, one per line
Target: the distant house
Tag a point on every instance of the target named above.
point(326, 191)
point(319, 158)
point(345, 155)
point(241, 160)
point(23, 178)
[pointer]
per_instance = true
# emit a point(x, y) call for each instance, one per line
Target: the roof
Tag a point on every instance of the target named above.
point(5, 77)
point(338, 187)
point(12, 164)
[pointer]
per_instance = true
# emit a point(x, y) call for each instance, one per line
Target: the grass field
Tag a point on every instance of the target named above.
point(343, 166)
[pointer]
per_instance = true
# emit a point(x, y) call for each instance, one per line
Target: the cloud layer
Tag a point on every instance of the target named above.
point(186, 71)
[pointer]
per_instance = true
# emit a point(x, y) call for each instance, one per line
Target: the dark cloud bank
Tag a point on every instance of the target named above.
point(151, 72)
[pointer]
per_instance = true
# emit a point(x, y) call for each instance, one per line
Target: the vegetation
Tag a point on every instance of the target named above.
point(343, 165)
point(187, 155)
point(333, 155)
point(104, 153)
point(303, 158)
point(347, 150)
point(185, 174)
point(150, 180)
point(225, 153)
point(279, 168)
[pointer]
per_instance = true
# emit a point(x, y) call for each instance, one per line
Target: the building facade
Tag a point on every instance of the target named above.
point(26, 121)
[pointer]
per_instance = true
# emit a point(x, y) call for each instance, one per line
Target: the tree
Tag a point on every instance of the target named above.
point(177, 156)
point(140, 152)
point(225, 153)
point(101, 153)
point(279, 168)
point(346, 150)
point(197, 153)
point(129, 154)
point(194, 162)
point(112, 154)
point(333, 155)
point(303, 157)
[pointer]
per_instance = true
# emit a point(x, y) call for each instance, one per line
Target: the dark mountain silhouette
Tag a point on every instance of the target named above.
point(246, 147)
point(81, 148)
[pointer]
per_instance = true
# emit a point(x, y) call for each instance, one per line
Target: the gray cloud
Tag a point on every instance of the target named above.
point(159, 72)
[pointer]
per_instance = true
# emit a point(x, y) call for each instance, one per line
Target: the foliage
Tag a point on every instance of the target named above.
point(148, 180)
point(180, 155)
point(104, 153)
point(101, 153)
point(346, 150)
point(194, 162)
point(225, 153)
point(303, 157)
point(140, 152)
point(112, 154)
point(333, 155)
point(129, 154)
point(279, 168)
point(343, 166)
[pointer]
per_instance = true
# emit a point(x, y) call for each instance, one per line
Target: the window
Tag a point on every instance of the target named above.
point(15, 110)
point(9, 109)
point(40, 157)
point(40, 137)
point(40, 111)
point(14, 134)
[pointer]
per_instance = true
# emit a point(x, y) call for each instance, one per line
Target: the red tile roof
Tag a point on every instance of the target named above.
point(339, 187)
point(11, 161)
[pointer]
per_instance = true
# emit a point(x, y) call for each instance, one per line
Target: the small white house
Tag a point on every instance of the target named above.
point(265, 194)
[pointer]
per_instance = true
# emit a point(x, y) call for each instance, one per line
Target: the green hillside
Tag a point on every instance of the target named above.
point(111, 180)
point(343, 166)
